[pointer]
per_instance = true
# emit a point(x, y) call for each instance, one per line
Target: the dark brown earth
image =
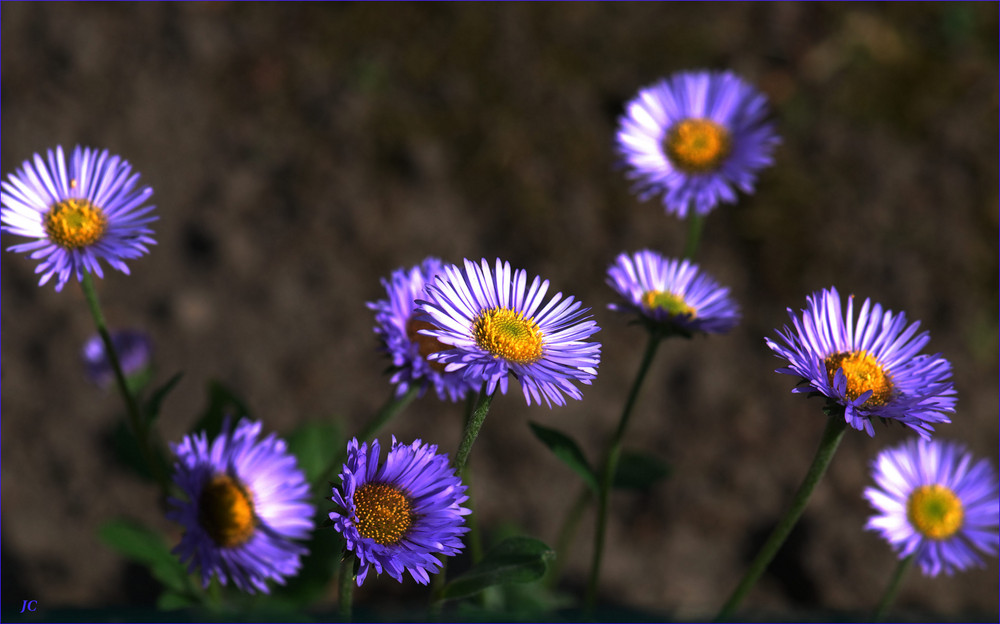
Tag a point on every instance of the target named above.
point(300, 152)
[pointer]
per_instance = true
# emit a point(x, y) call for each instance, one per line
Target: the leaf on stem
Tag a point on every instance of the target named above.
point(514, 560)
point(568, 451)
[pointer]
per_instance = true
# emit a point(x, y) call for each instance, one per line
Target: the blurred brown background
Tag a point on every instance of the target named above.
point(300, 152)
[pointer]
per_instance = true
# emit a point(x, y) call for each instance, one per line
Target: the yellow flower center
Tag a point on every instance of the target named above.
point(382, 512)
point(225, 511)
point(509, 335)
point(672, 304)
point(75, 223)
point(697, 145)
point(863, 373)
point(426, 344)
point(935, 511)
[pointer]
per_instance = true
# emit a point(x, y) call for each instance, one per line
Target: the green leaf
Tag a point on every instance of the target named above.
point(316, 445)
point(156, 400)
point(567, 450)
point(514, 560)
point(639, 471)
point(169, 601)
point(139, 544)
point(222, 402)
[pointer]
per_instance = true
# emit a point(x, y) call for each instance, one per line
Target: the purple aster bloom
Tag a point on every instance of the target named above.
point(134, 349)
point(671, 294)
point(398, 327)
point(398, 516)
point(246, 500)
point(934, 503)
point(499, 326)
point(80, 214)
point(695, 138)
point(872, 366)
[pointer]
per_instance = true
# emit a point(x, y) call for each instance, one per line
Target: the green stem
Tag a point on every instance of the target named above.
point(832, 434)
point(893, 588)
point(695, 224)
point(472, 427)
point(136, 421)
point(393, 406)
point(566, 534)
point(345, 598)
point(611, 466)
point(388, 411)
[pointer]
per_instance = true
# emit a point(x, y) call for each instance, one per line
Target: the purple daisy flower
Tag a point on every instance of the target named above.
point(80, 214)
point(934, 503)
point(398, 327)
point(871, 366)
point(398, 516)
point(246, 500)
point(695, 138)
point(499, 326)
point(671, 294)
point(134, 349)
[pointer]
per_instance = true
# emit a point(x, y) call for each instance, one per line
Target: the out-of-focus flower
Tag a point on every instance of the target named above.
point(935, 502)
point(694, 138)
point(246, 500)
point(398, 327)
point(135, 353)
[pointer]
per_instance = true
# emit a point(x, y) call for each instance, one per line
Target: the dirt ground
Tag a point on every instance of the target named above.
point(300, 152)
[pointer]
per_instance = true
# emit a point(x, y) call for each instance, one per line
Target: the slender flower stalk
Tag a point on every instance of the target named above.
point(696, 222)
point(893, 587)
point(389, 410)
point(832, 434)
point(136, 421)
point(472, 427)
point(611, 466)
point(346, 587)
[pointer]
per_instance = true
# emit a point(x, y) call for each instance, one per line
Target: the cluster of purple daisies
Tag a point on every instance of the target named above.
point(693, 139)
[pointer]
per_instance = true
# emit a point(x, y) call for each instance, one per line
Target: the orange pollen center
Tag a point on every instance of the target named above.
point(225, 511)
point(672, 304)
point(863, 373)
point(509, 335)
point(697, 145)
point(382, 513)
point(935, 511)
point(426, 345)
point(75, 223)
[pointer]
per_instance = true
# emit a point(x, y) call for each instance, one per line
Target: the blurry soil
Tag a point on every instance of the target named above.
point(300, 152)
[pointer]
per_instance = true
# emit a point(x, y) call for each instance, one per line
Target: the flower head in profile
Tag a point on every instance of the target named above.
point(398, 326)
point(871, 365)
point(695, 138)
point(79, 212)
point(398, 516)
point(500, 326)
point(671, 294)
point(935, 502)
point(245, 501)
point(133, 347)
